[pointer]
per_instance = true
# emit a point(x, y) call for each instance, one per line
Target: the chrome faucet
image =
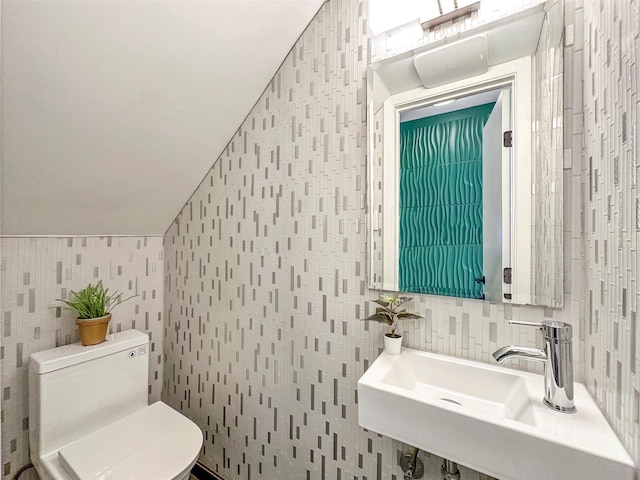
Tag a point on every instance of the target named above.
point(557, 356)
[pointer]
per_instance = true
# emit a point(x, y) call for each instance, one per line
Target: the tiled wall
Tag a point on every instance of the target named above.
point(36, 271)
point(265, 279)
point(265, 267)
point(612, 211)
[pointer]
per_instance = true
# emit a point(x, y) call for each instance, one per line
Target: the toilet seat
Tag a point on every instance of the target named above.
point(153, 443)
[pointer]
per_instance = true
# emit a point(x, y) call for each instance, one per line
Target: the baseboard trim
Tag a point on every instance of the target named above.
point(202, 472)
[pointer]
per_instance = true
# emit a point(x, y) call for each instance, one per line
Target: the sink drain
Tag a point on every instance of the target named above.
point(451, 401)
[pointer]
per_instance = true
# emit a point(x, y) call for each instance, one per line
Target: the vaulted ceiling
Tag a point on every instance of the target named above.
point(113, 111)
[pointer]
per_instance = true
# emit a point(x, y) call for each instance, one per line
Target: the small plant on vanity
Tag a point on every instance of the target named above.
point(390, 311)
point(93, 305)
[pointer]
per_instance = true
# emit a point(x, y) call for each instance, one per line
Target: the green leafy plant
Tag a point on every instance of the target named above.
point(390, 311)
point(93, 301)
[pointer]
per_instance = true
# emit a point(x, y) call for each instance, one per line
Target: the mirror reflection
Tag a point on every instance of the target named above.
point(457, 205)
point(448, 169)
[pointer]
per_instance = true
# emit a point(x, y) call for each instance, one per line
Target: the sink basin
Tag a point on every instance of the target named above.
point(488, 418)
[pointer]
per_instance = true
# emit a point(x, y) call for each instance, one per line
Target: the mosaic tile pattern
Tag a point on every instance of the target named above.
point(265, 281)
point(36, 271)
point(612, 211)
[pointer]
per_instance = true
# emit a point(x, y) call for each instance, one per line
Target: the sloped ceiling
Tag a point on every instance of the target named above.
point(113, 111)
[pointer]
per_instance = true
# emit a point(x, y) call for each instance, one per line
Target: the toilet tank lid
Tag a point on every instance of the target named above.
point(68, 355)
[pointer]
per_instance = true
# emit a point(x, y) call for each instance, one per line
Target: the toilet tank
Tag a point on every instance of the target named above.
point(74, 390)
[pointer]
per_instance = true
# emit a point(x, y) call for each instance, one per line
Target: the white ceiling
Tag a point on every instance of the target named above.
point(113, 111)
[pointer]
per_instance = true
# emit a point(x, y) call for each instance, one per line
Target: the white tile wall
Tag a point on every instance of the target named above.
point(612, 210)
point(36, 271)
point(265, 280)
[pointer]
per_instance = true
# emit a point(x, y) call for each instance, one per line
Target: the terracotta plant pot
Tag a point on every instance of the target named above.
point(93, 330)
point(392, 345)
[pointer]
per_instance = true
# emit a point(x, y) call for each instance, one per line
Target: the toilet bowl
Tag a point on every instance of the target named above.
point(90, 419)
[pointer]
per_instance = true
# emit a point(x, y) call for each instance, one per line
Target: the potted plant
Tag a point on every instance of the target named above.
point(389, 312)
point(93, 305)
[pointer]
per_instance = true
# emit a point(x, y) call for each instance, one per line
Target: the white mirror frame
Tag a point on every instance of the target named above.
point(515, 73)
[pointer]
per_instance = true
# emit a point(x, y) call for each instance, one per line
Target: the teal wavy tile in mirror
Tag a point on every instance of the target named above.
point(440, 223)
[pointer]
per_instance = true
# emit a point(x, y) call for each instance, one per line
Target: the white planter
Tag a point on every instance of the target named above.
point(392, 345)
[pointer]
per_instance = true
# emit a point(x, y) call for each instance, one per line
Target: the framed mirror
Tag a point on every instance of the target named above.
point(465, 165)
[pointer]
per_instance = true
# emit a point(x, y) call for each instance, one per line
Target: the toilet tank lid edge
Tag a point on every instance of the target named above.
point(73, 354)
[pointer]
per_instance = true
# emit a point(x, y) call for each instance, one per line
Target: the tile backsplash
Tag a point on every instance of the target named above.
point(36, 271)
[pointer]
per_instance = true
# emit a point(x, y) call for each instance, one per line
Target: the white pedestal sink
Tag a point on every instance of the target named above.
point(490, 419)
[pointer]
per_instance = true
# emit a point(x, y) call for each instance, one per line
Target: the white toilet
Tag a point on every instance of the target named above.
point(89, 416)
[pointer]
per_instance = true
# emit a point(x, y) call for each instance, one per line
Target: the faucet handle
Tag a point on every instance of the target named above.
point(550, 328)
